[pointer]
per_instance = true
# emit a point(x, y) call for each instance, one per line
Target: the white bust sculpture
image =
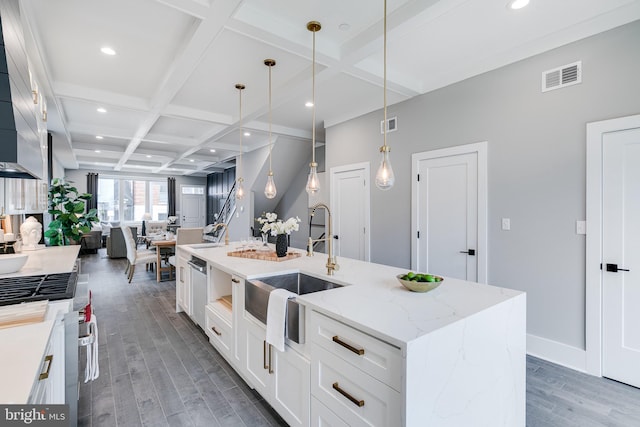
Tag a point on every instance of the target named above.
point(31, 232)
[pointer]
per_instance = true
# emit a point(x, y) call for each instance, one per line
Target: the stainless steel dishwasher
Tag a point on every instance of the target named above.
point(198, 289)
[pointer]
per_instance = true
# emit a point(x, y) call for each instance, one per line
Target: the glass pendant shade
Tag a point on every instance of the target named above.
point(270, 190)
point(385, 177)
point(313, 183)
point(239, 189)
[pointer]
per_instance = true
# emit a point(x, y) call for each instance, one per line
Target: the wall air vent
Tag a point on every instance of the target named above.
point(560, 77)
point(392, 124)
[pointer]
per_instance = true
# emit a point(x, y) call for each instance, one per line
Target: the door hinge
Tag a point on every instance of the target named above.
point(418, 177)
point(418, 234)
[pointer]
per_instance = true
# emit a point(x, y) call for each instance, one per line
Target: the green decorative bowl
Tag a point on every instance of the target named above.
point(415, 286)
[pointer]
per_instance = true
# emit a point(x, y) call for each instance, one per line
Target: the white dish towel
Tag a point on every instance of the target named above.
point(276, 316)
point(92, 370)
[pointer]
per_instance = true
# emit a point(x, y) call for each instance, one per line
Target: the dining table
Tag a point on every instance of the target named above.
point(160, 244)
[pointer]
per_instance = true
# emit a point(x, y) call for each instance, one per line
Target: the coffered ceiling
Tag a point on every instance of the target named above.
point(169, 90)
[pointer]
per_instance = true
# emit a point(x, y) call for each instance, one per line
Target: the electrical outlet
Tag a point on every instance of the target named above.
point(506, 224)
point(581, 227)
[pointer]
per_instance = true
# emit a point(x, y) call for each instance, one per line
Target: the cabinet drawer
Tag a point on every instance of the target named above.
point(219, 331)
point(354, 396)
point(321, 416)
point(377, 358)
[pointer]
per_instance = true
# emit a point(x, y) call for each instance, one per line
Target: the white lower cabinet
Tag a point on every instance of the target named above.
point(183, 282)
point(49, 386)
point(282, 378)
point(219, 330)
point(321, 416)
point(342, 362)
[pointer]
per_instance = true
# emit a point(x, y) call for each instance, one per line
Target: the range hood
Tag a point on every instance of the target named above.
point(21, 155)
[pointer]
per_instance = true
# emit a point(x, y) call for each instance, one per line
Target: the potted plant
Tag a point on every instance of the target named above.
point(69, 221)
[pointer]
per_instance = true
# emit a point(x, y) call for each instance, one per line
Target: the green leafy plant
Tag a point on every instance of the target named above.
point(66, 206)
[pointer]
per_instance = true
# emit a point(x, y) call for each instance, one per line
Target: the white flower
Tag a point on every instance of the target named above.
point(274, 226)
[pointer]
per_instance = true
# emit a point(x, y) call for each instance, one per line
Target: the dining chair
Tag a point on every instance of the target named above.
point(186, 236)
point(136, 256)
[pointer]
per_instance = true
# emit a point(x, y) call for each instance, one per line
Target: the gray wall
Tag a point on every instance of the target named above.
point(536, 155)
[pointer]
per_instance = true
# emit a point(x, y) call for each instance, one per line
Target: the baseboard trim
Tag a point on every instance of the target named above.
point(557, 352)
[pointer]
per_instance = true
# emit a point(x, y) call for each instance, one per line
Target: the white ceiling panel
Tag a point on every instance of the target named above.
point(170, 93)
point(146, 35)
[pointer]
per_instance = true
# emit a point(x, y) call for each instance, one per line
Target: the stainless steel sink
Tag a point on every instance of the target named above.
point(256, 298)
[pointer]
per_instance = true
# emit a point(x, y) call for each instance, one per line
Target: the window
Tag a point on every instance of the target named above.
point(108, 199)
point(126, 199)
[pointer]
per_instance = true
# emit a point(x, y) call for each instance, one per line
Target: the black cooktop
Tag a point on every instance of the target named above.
point(57, 286)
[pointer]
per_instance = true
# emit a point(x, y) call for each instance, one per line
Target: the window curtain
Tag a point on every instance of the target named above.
point(171, 190)
point(92, 188)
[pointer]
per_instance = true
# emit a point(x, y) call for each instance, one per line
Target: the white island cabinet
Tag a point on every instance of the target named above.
point(376, 354)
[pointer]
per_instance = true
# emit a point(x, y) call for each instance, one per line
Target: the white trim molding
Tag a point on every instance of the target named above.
point(557, 352)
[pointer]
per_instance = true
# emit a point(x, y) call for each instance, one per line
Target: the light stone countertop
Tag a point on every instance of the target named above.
point(48, 260)
point(372, 300)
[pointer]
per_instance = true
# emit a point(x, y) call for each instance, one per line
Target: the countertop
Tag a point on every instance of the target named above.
point(372, 298)
point(22, 355)
point(48, 260)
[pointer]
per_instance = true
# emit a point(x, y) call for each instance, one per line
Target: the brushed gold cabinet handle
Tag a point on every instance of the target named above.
point(215, 331)
point(234, 280)
point(358, 351)
point(270, 366)
point(353, 400)
point(264, 354)
point(44, 375)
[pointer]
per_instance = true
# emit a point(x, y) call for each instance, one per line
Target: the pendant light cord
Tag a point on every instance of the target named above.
point(240, 123)
point(313, 98)
point(385, 72)
point(270, 140)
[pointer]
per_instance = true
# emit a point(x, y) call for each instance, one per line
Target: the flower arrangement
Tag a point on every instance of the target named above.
point(271, 224)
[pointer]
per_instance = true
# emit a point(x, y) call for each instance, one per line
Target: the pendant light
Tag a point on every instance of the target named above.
point(313, 183)
point(239, 186)
point(385, 177)
point(270, 190)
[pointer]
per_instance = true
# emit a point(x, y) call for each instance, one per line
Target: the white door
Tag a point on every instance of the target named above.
point(449, 207)
point(621, 251)
point(350, 209)
point(192, 210)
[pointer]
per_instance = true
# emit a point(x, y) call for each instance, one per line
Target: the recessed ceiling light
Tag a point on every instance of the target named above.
point(344, 27)
point(247, 134)
point(101, 110)
point(99, 137)
point(213, 150)
point(97, 151)
point(191, 160)
point(148, 156)
point(517, 4)
point(107, 50)
point(308, 104)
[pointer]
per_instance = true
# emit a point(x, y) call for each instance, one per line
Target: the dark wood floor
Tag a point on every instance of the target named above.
point(157, 369)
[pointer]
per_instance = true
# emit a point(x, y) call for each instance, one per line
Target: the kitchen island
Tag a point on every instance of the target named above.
point(38, 348)
point(376, 353)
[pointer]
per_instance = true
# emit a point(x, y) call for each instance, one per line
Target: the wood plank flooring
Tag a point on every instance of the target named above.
point(158, 369)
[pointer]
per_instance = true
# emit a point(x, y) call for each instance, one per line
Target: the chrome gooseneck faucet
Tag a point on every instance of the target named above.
point(332, 264)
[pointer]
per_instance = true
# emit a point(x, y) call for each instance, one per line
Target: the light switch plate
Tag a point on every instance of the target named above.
point(581, 227)
point(506, 223)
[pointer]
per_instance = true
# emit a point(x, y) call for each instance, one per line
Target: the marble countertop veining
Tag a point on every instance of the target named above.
point(372, 298)
point(48, 260)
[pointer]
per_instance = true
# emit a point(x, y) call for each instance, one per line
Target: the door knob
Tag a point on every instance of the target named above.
point(335, 236)
point(471, 252)
point(614, 268)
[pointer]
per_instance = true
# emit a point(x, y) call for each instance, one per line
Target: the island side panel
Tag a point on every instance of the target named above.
point(471, 372)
